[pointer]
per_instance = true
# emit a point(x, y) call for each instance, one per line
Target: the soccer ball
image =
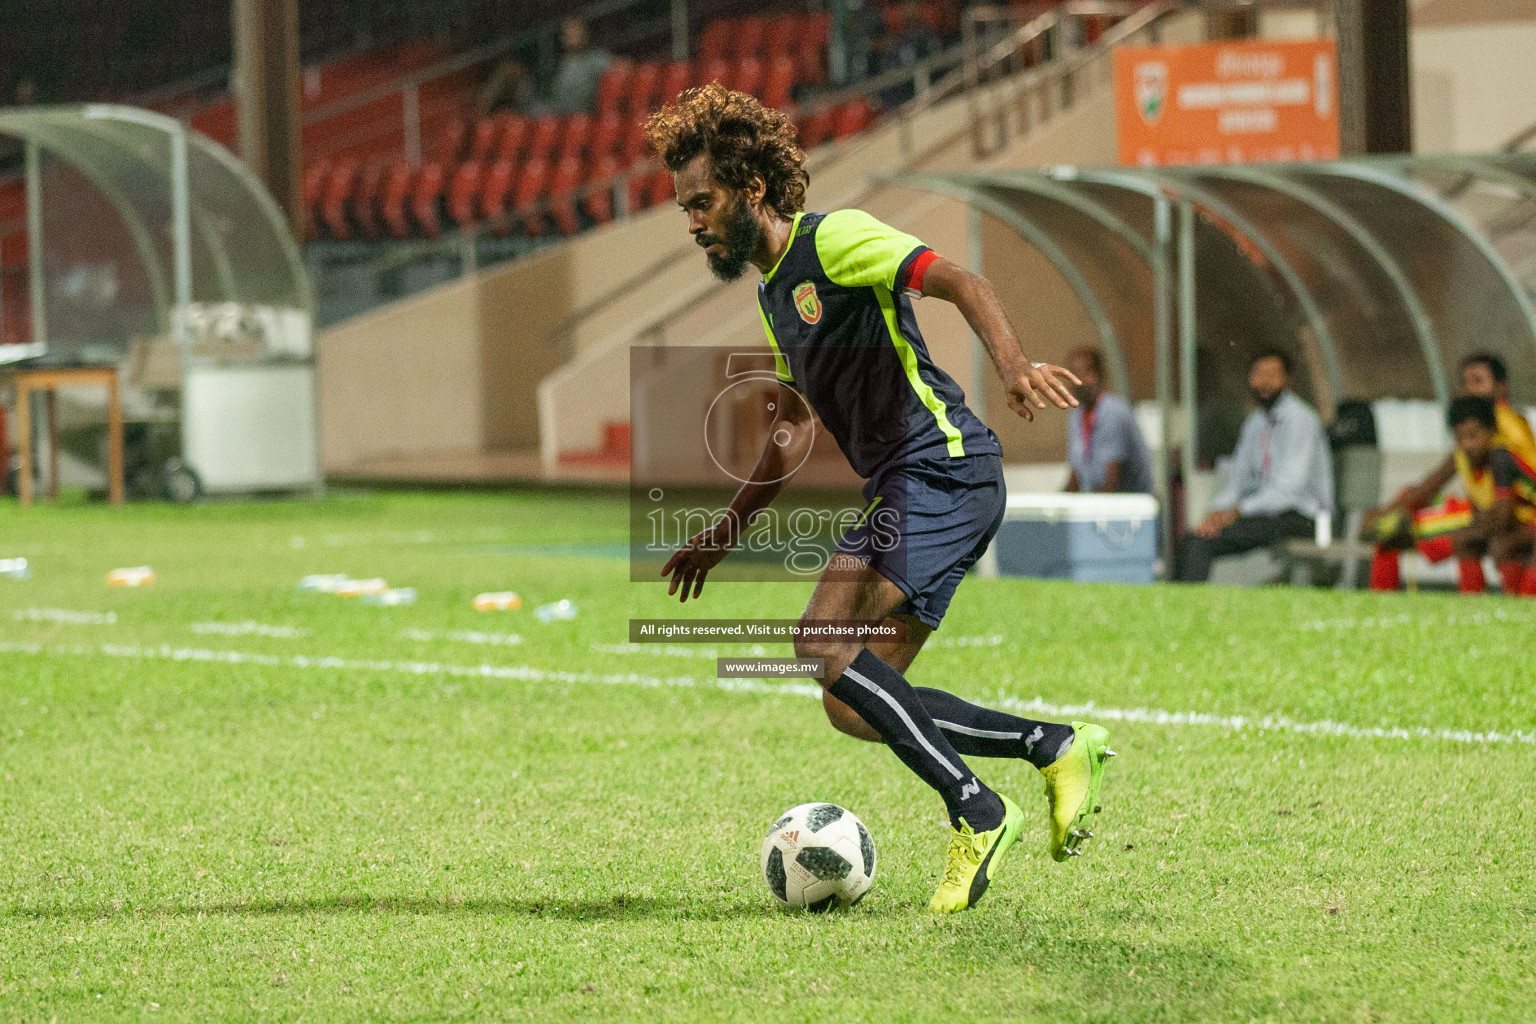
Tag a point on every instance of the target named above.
point(817, 856)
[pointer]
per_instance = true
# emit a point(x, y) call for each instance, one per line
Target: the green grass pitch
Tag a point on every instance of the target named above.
point(221, 798)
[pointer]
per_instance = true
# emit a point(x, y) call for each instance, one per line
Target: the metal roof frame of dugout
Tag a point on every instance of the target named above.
point(1362, 258)
point(209, 255)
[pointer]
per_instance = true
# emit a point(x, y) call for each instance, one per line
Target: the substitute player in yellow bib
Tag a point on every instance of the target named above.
point(836, 306)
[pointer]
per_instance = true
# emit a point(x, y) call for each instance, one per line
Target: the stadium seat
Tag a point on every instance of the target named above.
point(575, 137)
point(531, 186)
point(782, 36)
point(675, 77)
point(514, 134)
point(613, 89)
point(337, 196)
point(642, 89)
point(495, 190)
point(427, 198)
point(565, 181)
point(779, 82)
point(366, 209)
point(747, 76)
point(450, 141)
point(749, 37)
point(312, 187)
point(851, 118)
point(815, 129)
point(715, 40)
point(543, 137)
point(464, 191)
point(607, 133)
point(398, 187)
point(715, 71)
point(634, 148)
point(605, 172)
point(487, 133)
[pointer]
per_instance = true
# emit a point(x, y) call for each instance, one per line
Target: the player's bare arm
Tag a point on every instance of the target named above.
point(1030, 384)
point(789, 440)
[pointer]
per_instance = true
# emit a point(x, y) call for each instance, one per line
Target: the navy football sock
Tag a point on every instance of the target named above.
point(885, 700)
point(976, 731)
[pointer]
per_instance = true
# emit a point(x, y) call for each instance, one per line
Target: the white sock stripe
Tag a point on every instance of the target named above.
point(985, 734)
point(906, 719)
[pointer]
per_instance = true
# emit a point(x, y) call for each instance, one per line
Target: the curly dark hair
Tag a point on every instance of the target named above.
point(742, 138)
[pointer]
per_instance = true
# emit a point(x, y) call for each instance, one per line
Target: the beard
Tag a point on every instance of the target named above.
point(742, 233)
point(1266, 400)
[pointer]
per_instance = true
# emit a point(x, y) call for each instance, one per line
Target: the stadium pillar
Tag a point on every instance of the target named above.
point(266, 91)
point(1375, 114)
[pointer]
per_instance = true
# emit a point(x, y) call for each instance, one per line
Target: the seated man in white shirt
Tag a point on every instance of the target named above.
point(1105, 448)
point(1281, 476)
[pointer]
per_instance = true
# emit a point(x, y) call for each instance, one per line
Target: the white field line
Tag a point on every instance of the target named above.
point(467, 636)
point(74, 618)
point(249, 628)
point(527, 673)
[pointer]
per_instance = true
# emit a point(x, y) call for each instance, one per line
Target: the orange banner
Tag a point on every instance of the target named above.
point(1241, 101)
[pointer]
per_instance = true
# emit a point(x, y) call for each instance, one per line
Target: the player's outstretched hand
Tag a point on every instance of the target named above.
point(692, 562)
point(1040, 383)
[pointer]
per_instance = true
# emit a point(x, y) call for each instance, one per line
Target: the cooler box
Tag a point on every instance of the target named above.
point(1091, 538)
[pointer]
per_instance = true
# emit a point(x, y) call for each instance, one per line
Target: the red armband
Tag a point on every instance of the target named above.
point(916, 270)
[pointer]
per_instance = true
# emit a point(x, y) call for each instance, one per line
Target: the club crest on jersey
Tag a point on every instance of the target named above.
point(807, 302)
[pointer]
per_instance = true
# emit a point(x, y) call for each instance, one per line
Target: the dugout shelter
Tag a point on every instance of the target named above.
point(153, 249)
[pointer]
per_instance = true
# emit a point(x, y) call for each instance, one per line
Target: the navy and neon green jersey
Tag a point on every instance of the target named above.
point(836, 311)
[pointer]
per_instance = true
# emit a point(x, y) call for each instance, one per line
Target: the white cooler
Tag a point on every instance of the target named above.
point(1091, 538)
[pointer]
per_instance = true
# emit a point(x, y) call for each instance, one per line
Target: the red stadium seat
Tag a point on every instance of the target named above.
point(487, 132)
point(642, 89)
point(607, 133)
point(427, 197)
point(778, 82)
point(312, 188)
point(336, 197)
point(747, 76)
point(714, 71)
point(613, 88)
point(514, 133)
point(715, 41)
point(573, 141)
point(782, 36)
point(494, 193)
point(532, 184)
point(605, 169)
point(675, 77)
point(662, 189)
point(366, 212)
point(640, 188)
point(397, 192)
point(750, 37)
point(464, 193)
point(851, 118)
point(815, 129)
point(543, 137)
point(450, 141)
point(566, 180)
point(634, 146)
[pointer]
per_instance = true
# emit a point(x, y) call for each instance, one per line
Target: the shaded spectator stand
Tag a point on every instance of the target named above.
point(155, 253)
point(1377, 274)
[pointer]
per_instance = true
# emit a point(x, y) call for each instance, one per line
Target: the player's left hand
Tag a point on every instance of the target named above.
point(1037, 384)
point(691, 563)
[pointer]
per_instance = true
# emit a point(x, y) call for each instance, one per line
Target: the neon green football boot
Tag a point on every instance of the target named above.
point(1072, 784)
point(972, 859)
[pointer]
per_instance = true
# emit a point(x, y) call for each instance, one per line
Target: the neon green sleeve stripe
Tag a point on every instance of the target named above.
point(909, 363)
point(780, 367)
point(857, 251)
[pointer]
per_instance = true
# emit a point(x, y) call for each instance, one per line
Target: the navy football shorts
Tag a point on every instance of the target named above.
point(928, 521)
